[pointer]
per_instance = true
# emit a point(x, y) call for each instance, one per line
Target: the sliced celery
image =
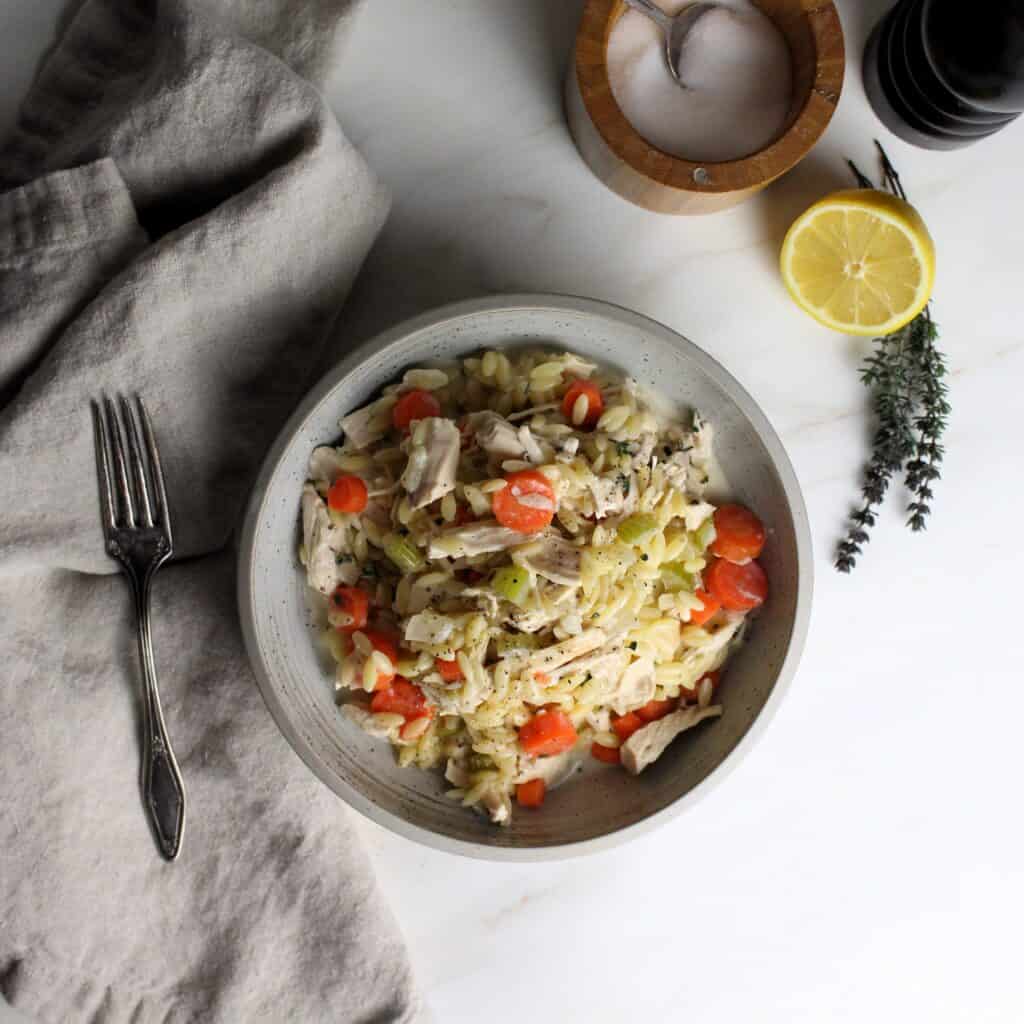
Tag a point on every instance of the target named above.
point(638, 529)
point(512, 583)
point(403, 553)
point(705, 533)
point(674, 577)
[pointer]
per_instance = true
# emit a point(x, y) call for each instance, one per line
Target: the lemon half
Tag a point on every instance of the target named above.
point(860, 261)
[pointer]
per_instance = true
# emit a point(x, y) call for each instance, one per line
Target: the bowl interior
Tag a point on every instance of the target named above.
point(587, 811)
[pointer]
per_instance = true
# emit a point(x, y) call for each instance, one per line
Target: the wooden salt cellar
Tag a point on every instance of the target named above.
point(631, 166)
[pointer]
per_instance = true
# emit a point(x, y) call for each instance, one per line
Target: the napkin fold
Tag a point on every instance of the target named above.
point(183, 219)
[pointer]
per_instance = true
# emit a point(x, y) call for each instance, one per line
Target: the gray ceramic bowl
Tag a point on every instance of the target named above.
point(602, 807)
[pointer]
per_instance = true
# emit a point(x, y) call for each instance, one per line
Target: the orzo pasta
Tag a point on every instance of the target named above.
point(520, 567)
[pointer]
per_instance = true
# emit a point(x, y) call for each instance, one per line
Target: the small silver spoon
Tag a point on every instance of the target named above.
point(676, 27)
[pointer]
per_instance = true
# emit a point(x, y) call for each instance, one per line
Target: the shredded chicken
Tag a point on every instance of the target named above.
point(531, 448)
point(369, 424)
point(613, 495)
point(553, 558)
point(324, 464)
point(364, 719)
point(496, 436)
point(447, 699)
point(324, 542)
point(474, 539)
point(498, 805)
point(428, 627)
point(550, 658)
point(676, 466)
point(604, 666)
point(554, 770)
point(430, 472)
point(538, 614)
point(644, 450)
point(486, 600)
point(646, 745)
point(428, 589)
point(456, 771)
point(635, 687)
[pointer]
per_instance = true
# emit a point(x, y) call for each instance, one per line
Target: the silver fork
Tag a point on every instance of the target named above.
point(137, 530)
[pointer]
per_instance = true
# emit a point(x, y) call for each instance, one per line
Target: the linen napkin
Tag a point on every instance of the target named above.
point(184, 219)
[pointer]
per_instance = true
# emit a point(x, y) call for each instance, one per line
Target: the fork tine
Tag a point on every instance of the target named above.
point(124, 491)
point(99, 433)
point(138, 463)
point(155, 468)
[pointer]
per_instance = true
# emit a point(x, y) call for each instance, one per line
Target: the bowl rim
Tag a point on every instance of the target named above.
point(752, 171)
point(452, 312)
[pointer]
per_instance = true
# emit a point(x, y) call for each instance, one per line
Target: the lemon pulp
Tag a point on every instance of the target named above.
point(860, 261)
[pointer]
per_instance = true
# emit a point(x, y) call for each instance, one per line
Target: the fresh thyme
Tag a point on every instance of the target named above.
point(906, 375)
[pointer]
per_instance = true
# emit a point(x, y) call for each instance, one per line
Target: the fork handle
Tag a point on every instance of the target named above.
point(162, 789)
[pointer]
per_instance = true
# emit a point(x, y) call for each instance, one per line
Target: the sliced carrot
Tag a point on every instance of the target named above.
point(451, 671)
point(625, 725)
point(530, 794)
point(655, 709)
point(527, 504)
point(609, 755)
point(698, 616)
point(349, 609)
point(414, 405)
point(739, 534)
point(547, 733)
point(595, 403)
point(401, 698)
point(386, 643)
point(738, 587)
point(347, 494)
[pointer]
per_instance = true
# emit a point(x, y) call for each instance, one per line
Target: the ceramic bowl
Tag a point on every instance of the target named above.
point(601, 807)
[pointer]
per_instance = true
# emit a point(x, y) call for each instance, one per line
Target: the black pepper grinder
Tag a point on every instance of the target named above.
point(942, 74)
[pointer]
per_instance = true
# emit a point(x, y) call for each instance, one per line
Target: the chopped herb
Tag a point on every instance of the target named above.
point(624, 447)
point(343, 558)
point(623, 482)
point(370, 571)
point(632, 646)
point(645, 557)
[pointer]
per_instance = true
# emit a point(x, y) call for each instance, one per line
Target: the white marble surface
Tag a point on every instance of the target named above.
point(867, 861)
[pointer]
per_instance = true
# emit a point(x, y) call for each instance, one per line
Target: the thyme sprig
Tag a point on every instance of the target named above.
point(906, 375)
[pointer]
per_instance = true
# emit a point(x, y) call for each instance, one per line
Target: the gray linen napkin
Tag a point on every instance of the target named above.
point(185, 220)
